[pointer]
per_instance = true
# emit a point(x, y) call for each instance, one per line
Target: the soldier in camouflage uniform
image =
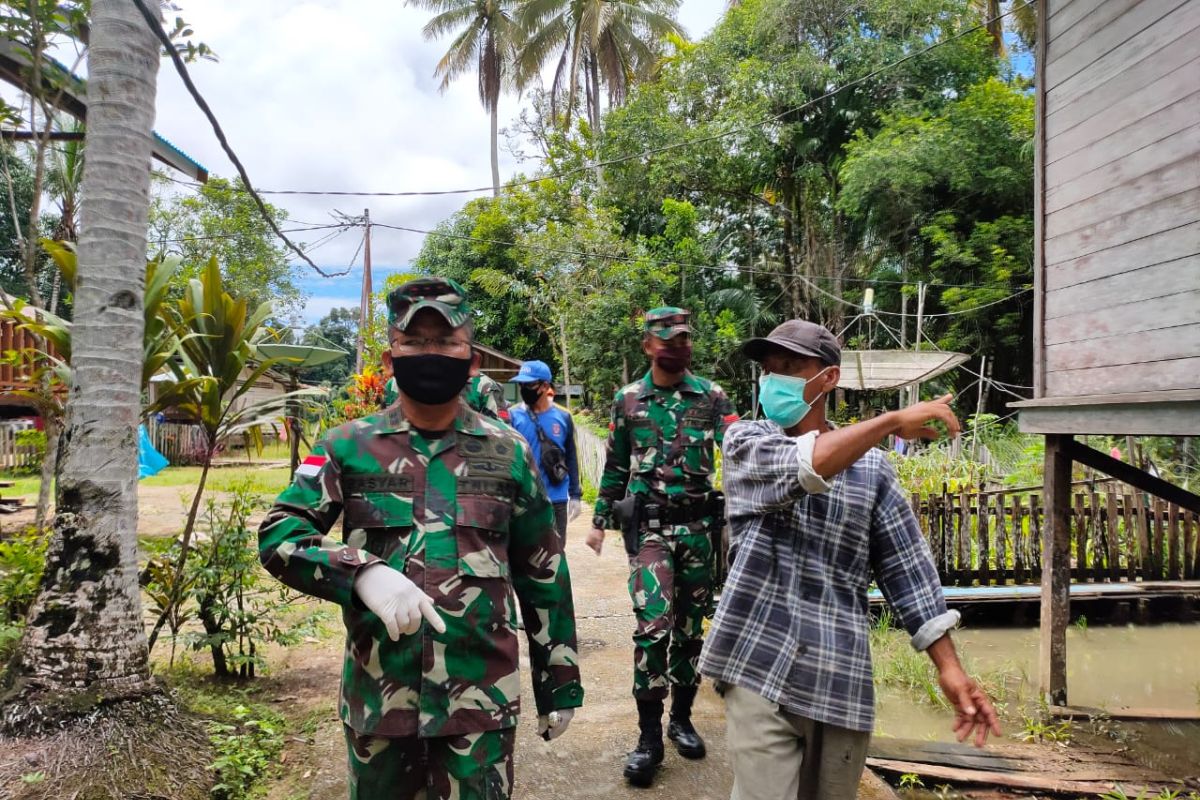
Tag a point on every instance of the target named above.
point(660, 448)
point(481, 393)
point(444, 522)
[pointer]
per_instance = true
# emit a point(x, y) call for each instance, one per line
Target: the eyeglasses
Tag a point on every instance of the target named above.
point(411, 344)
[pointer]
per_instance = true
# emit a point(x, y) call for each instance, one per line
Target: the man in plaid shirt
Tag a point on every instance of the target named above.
point(814, 514)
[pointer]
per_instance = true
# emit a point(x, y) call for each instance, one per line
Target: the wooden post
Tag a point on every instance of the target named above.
point(1114, 541)
point(1020, 541)
point(1056, 572)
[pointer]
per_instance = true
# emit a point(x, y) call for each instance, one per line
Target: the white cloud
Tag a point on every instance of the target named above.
point(340, 95)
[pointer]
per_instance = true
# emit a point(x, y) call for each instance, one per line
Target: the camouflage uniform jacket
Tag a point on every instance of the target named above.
point(660, 441)
point(482, 394)
point(465, 518)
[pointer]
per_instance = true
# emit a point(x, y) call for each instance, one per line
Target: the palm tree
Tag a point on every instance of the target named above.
point(85, 629)
point(487, 40)
point(610, 43)
point(1022, 21)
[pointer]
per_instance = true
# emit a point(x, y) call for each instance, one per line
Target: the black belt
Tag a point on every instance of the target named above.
point(681, 514)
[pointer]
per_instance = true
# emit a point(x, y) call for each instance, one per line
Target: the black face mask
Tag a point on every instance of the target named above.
point(675, 359)
point(530, 395)
point(431, 379)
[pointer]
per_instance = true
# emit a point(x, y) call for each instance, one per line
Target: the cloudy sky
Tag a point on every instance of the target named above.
point(340, 95)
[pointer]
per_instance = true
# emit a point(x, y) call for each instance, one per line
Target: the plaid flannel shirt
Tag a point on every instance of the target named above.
point(792, 622)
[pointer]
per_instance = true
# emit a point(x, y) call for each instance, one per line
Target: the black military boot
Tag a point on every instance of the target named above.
point(680, 730)
point(642, 763)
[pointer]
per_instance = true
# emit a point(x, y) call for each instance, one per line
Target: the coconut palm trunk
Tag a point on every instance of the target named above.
point(495, 148)
point(85, 629)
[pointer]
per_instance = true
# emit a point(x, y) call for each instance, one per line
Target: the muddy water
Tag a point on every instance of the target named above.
point(1107, 667)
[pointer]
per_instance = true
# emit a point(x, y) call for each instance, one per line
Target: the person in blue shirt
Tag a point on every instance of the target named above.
point(559, 471)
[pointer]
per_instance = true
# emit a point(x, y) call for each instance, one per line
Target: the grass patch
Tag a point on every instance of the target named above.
point(898, 666)
point(23, 485)
point(267, 481)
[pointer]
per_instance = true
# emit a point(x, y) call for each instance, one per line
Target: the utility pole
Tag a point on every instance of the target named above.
point(364, 308)
point(916, 389)
point(983, 362)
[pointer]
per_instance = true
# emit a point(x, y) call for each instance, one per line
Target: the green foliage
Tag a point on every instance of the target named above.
point(911, 780)
point(22, 560)
point(337, 329)
point(245, 749)
point(222, 222)
point(239, 607)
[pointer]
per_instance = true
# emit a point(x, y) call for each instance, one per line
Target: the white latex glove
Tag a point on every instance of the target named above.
point(554, 724)
point(574, 508)
point(396, 600)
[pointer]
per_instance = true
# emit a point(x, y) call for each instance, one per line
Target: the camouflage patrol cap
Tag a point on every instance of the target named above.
point(443, 295)
point(666, 322)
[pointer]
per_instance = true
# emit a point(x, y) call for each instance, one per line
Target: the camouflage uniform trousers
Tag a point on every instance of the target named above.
point(671, 586)
point(475, 766)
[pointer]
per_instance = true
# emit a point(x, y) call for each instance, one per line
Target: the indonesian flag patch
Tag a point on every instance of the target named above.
point(311, 465)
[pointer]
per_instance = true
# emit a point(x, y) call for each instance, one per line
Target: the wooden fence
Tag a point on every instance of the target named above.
point(15, 456)
point(181, 443)
point(589, 448)
point(1117, 534)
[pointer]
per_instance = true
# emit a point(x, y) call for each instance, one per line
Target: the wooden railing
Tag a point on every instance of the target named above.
point(1117, 534)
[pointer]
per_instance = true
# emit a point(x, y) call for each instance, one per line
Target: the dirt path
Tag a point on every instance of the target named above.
point(584, 763)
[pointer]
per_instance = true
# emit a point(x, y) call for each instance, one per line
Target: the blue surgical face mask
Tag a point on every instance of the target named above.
point(782, 398)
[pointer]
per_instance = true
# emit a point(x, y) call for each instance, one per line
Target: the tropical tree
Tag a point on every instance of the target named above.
point(84, 632)
point(609, 43)
point(221, 220)
point(486, 39)
point(217, 364)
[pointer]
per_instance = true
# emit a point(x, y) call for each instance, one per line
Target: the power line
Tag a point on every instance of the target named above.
point(632, 156)
point(153, 22)
point(667, 262)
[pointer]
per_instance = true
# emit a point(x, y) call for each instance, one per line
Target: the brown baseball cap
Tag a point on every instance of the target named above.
point(798, 336)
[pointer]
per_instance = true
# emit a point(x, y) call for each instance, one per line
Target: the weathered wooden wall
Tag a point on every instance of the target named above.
point(1119, 190)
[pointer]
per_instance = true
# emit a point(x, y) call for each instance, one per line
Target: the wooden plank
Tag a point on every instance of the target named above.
point(1078, 151)
point(1112, 531)
point(1189, 546)
point(1130, 174)
point(1039, 197)
point(1020, 540)
point(1056, 573)
point(1035, 536)
point(1145, 553)
point(1047, 783)
point(1130, 347)
point(1063, 15)
point(1179, 373)
point(1141, 90)
point(1124, 713)
point(1158, 511)
point(1129, 543)
point(964, 536)
point(1151, 28)
point(1002, 548)
point(1095, 200)
point(1169, 311)
point(1096, 537)
point(1174, 545)
point(1081, 573)
point(1135, 284)
point(982, 536)
point(1160, 217)
point(1079, 34)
